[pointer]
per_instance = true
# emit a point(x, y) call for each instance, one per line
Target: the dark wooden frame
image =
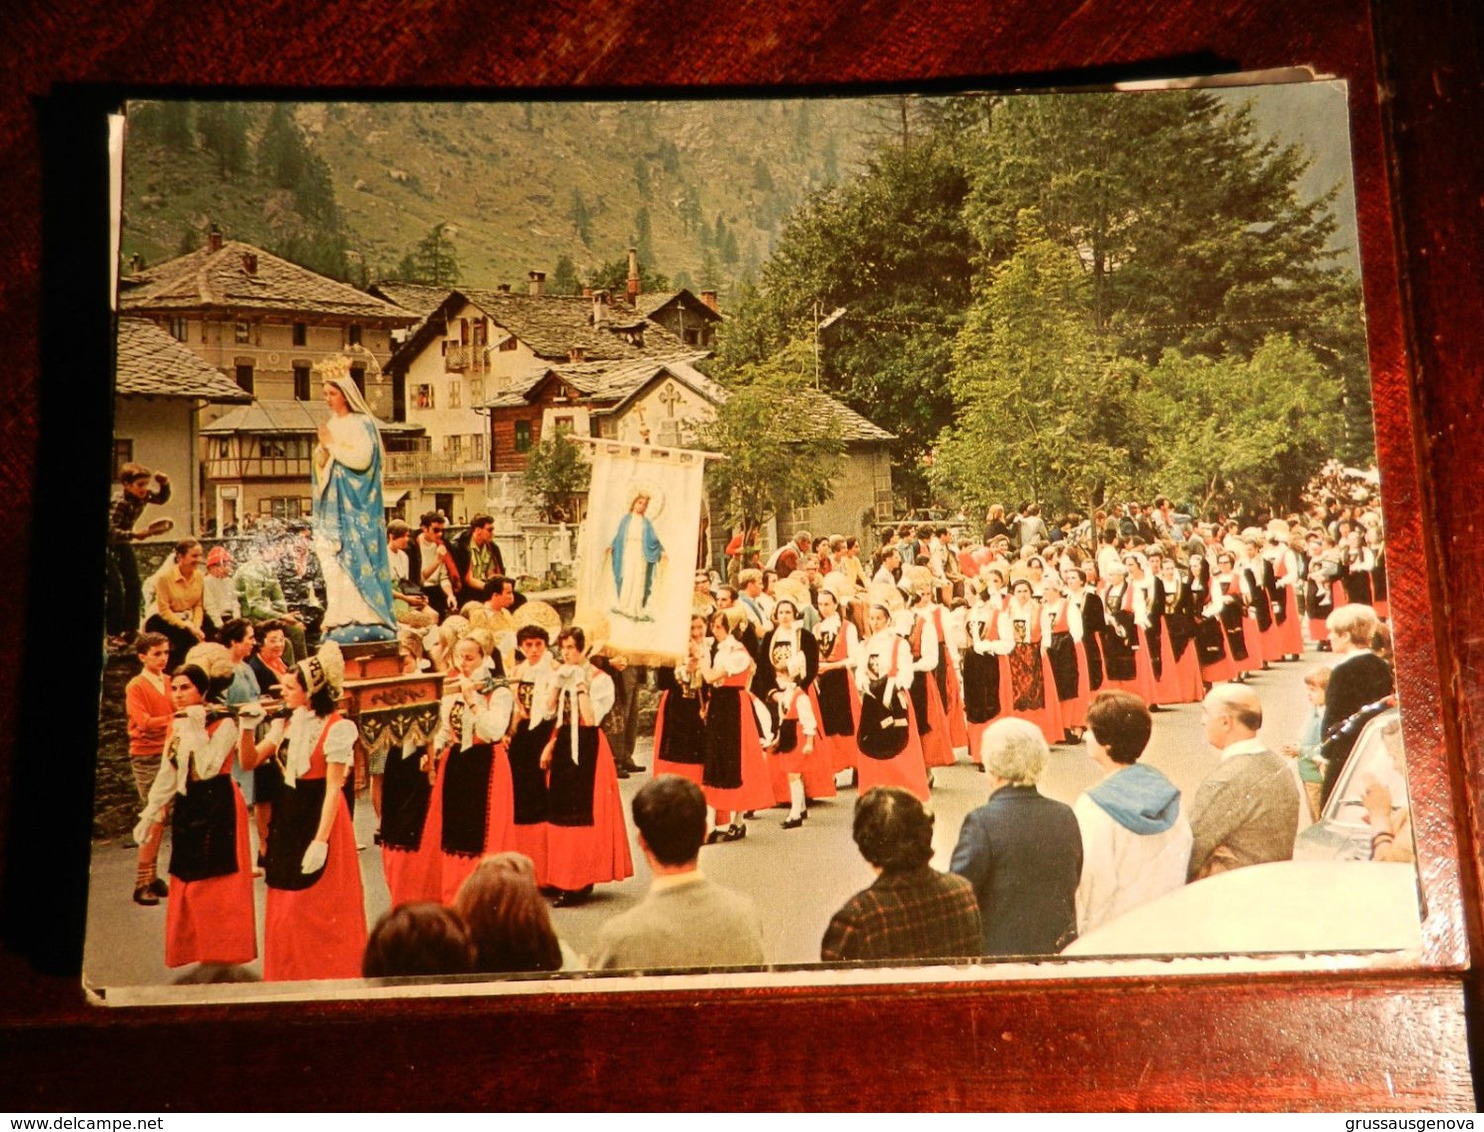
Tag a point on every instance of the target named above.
point(1355, 1041)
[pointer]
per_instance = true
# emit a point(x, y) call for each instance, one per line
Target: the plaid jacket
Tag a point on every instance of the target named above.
point(917, 914)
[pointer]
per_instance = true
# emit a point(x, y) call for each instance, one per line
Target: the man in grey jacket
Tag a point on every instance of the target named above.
point(685, 920)
point(1246, 812)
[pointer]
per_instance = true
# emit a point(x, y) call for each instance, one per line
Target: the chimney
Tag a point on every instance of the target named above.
point(709, 298)
point(537, 282)
point(214, 238)
point(632, 290)
point(136, 264)
point(600, 307)
point(576, 354)
point(250, 262)
point(504, 288)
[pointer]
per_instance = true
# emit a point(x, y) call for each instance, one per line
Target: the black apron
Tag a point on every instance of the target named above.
point(203, 830)
point(405, 793)
point(466, 800)
point(884, 726)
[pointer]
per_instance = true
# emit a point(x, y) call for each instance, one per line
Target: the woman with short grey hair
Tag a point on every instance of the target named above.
point(1015, 751)
point(1021, 851)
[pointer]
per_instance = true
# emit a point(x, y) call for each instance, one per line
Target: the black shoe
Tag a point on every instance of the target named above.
point(716, 836)
point(632, 767)
point(159, 887)
point(736, 832)
point(794, 823)
point(749, 814)
point(143, 895)
point(570, 899)
point(622, 773)
point(376, 838)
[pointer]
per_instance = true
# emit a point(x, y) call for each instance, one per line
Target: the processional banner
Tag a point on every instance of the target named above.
point(638, 547)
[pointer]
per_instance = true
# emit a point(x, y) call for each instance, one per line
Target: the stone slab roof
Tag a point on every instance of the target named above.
point(287, 417)
point(207, 280)
point(648, 303)
point(613, 384)
point(153, 364)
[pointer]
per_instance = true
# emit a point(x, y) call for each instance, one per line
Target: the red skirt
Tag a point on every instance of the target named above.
point(958, 726)
point(906, 770)
point(499, 824)
point(1142, 685)
point(213, 920)
point(1290, 635)
point(839, 751)
point(756, 791)
point(415, 876)
point(319, 932)
point(661, 766)
point(1252, 635)
point(1221, 671)
point(1181, 681)
point(937, 744)
point(1074, 710)
point(580, 855)
point(1047, 717)
point(819, 779)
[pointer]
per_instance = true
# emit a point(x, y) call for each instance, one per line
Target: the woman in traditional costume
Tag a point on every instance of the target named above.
point(788, 661)
point(678, 725)
point(587, 839)
point(472, 808)
point(316, 922)
point(1148, 616)
point(1243, 643)
point(349, 533)
point(734, 775)
point(211, 916)
point(1207, 599)
point(1182, 682)
point(1124, 665)
point(532, 685)
point(891, 753)
point(986, 672)
point(1020, 638)
point(836, 700)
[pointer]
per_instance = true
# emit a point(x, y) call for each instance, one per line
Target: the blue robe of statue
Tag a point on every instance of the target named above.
point(633, 582)
point(350, 535)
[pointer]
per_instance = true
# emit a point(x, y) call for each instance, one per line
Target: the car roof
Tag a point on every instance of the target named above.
point(1283, 906)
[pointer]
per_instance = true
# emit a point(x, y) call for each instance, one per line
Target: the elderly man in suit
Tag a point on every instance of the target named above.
point(1246, 812)
point(685, 920)
point(1021, 851)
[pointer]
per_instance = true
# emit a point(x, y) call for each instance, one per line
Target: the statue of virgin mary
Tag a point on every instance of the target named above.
point(348, 514)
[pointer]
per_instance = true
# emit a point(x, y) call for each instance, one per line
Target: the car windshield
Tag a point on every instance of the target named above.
point(1377, 758)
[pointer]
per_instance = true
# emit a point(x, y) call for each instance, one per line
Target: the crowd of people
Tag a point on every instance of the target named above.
point(809, 675)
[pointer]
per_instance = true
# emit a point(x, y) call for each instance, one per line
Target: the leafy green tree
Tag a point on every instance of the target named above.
point(434, 261)
point(581, 217)
point(614, 276)
point(779, 454)
point(1233, 429)
point(558, 473)
point(222, 129)
point(175, 125)
point(641, 177)
point(1188, 224)
point(1044, 411)
point(892, 248)
point(644, 236)
point(564, 280)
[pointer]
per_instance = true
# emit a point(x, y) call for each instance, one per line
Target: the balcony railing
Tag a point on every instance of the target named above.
point(433, 464)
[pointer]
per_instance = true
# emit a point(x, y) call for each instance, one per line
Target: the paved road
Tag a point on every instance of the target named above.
point(798, 877)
